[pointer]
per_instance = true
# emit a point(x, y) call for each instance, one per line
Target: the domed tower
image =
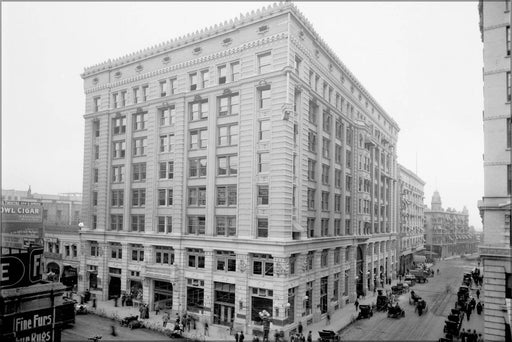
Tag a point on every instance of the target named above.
point(436, 202)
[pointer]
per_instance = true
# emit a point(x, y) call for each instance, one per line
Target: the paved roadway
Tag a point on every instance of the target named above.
point(87, 326)
point(429, 326)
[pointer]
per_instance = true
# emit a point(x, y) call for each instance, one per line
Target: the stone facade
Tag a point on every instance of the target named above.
point(274, 186)
point(495, 206)
point(447, 232)
point(411, 234)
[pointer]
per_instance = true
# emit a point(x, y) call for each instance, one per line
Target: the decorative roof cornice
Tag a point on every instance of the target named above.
point(190, 38)
point(188, 63)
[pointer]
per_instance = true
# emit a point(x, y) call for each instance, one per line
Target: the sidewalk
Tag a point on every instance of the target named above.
point(340, 319)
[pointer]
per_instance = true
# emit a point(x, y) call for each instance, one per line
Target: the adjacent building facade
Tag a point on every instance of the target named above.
point(447, 232)
point(239, 169)
point(411, 233)
point(495, 206)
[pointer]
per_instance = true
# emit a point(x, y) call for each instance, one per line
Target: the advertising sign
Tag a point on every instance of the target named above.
point(21, 269)
point(22, 224)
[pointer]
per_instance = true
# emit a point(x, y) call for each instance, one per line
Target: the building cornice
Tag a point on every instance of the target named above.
point(186, 64)
point(497, 117)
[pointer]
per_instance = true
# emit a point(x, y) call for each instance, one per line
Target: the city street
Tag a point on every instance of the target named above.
point(90, 325)
point(429, 326)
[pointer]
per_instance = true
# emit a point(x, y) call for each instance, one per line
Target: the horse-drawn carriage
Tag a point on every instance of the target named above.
point(328, 336)
point(421, 307)
point(452, 327)
point(366, 311)
point(395, 311)
point(382, 302)
point(399, 289)
point(413, 298)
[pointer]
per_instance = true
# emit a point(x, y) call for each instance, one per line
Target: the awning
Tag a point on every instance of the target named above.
point(297, 227)
point(419, 258)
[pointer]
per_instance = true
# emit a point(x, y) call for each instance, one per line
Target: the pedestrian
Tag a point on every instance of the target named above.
point(236, 337)
point(123, 299)
point(438, 271)
point(113, 332)
point(328, 321)
point(115, 301)
point(206, 329)
point(188, 323)
point(480, 339)
point(241, 337)
point(356, 304)
point(94, 302)
point(310, 338)
point(468, 312)
point(463, 336)
point(474, 336)
point(299, 328)
point(165, 319)
point(477, 294)
point(157, 308)
point(177, 320)
point(479, 308)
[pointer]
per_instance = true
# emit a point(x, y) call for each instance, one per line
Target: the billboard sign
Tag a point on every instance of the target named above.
point(32, 326)
point(21, 269)
point(22, 224)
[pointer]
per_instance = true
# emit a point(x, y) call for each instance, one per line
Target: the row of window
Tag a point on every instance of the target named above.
point(228, 72)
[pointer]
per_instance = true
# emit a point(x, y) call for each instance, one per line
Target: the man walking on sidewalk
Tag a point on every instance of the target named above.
point(356, 304)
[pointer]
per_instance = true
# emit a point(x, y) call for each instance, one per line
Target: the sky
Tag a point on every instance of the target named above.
point(421, 61)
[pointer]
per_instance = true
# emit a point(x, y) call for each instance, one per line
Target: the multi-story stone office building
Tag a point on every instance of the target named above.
point(411, 233)
point(238, 169)
point(495, 206)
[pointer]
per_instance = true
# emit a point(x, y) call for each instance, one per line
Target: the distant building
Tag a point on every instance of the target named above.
point(61, 216)
point(447, 232)
point(411, 233)
point(237, 170)
point(495, 206)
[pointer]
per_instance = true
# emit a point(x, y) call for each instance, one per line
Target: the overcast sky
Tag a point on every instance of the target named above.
point(421, 61)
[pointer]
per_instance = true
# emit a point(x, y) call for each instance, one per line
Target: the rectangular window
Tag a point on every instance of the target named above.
point(119, 149)
point(136, 98)
point(167, 143)
point(97, 152)
point(264, 62)
point(313, 112)
point(163, 88)
point(509, 133)
point(298, 61)
point(326, 148)
point(225, 225)
point(339, 130)
point(138, 197)
point(264, 130)
point(337, 203)
point(167, 116)
point(117, 198)
point(139, 172)
point(138, 223)
point(262, 226)
point(508, 40)
point(235, 71)
point(262, 264)
point(229, 105)
point(311, 199)
point(195, 257)
point(116, 222)
point(327, 122)
point(198, 110)
point(263, 162)
point(197, 167)
point(325, 200)
point(139, 147)
point(508, 86)
point(338, 153)
point(222, 74)
point(205, 78)
point(227, 165)
point(226, 261)
point(165, 197)
point(164, 224)
point(325, 227)
point(337, 227)
point(95, 248)
point(193, 80)
point(139, 121)
point(96, 104)
point(311, 170)
point(198, 139)
point(166, 170)
point(197, 196)
point(312, 141)
point(337, 178)
point(196, 225)
point(324, 257)
point(164, 255)
point(123, 98)
point(94, 198)
point(227, 135)
point(348, 159)
point(347, 205)
point(173, 83)
point(325, 174)
point(95, 175)
point(509, 179)
point(94, 221)
point(119, 125)
point(145, 93)
point(262, 194)
point(115, 97)
point(96, 128)
point(311, 227)
point(226, 195)
point(137, 252)
point(117, 174)
point(264, 98)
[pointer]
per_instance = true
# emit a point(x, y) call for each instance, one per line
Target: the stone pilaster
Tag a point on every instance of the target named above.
point(243, 295)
